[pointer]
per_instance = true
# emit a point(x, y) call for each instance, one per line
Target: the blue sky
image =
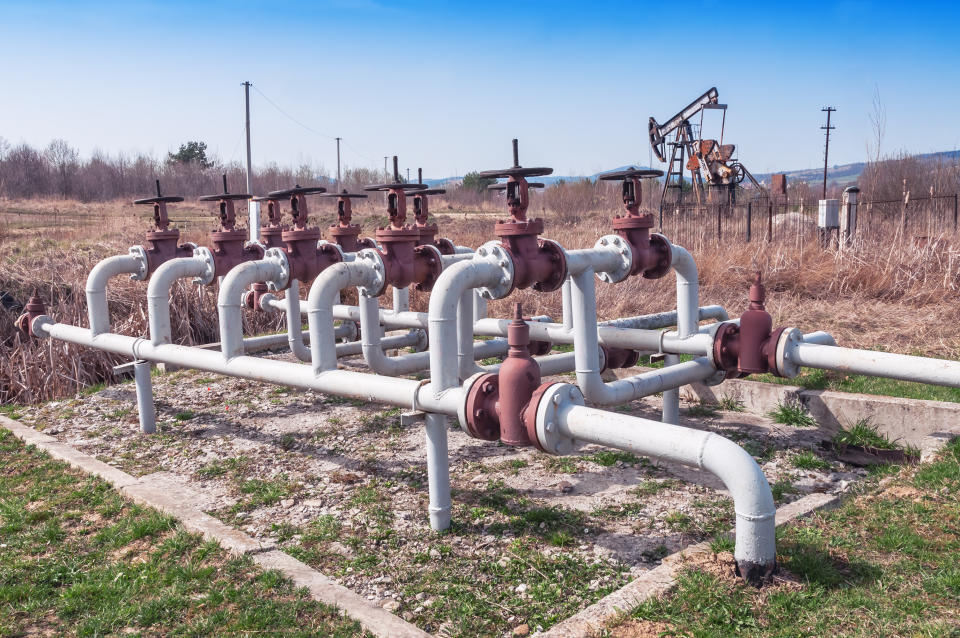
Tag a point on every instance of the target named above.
point(446, 85)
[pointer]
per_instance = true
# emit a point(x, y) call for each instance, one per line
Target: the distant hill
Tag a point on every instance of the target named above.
point(842, 174)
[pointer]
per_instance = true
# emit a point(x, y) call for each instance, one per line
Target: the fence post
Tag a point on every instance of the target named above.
point(719, 227)
point(770, 222)
point(749, 220)
point(954, 211)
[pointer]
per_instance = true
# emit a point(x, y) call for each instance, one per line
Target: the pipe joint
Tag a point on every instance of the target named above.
point(230, 249)
point(538, 263)
point(35, 308)
point(624, 251)
point(377, 273)
point(307, 254)
point(140, 254)
point(161, 247)
point(494, 253)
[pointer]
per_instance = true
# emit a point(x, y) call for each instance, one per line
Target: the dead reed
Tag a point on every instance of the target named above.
point(898, 294)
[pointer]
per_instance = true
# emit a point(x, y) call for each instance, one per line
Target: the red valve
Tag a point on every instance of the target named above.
point(228, 241)
point(651, 254)
point(497, 404)
point(537, 262)
point(270, 234)
point(34, 308)
point(421, 213)
point(751, 347)
point(345, 234)
point(162, 243)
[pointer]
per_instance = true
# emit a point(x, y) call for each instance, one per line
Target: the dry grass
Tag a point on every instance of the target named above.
point(895, 294)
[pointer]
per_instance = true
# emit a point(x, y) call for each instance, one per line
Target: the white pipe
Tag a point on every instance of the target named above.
point(479, 306)
point(145, 406)
point(374, 345)
point(466, 363)
point(97, 310)
point(876, 364)
point(550, 364)
point(448, 290)
point(323, 293)
point(587, 355)
point(820, 338)
point(566, 304)
point(755, 550)
point(688, 304)
point(229, 301)
point(408, 393)
point(294, 330)
point(158, 293)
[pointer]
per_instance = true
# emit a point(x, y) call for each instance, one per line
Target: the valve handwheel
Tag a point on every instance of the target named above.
point(516, 185)
point(160, 219)
point(298, 201)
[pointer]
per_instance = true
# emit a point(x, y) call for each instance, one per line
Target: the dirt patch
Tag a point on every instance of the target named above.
point(640, 629)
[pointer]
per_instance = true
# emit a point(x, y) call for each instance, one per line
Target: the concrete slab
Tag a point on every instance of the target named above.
point(176, 503)
point(374, 619)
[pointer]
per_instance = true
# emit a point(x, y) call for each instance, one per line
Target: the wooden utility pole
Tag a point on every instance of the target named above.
point(826, 149)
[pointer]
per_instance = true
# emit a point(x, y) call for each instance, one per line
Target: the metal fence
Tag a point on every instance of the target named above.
point(778, 220)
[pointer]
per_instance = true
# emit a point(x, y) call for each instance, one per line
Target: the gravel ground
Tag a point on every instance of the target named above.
point(342, 485)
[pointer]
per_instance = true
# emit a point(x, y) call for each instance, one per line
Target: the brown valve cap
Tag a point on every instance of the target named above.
point(34, 308)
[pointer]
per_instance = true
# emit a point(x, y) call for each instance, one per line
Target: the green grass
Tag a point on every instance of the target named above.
point(731, 404)
point(703, 409)
point(824, 380)
point(808, 460)
point(864, 434)
point(608, 458)
point(793, 414)
point(879, 565)
point(80, 560)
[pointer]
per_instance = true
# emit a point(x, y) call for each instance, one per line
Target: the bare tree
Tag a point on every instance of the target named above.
point(65, 160)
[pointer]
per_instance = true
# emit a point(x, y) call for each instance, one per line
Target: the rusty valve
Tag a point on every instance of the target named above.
point(404, 261)
point(162, 243)
point(34, 308)
point(345, 234)
point(229, 242)
point(751, 347)
point(497, 404)
point(271, 232)
point(650, 253)
point(540, 263)
point(306, 256)
point(421, 213)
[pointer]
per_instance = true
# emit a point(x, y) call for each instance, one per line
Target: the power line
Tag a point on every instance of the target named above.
point(309, 128)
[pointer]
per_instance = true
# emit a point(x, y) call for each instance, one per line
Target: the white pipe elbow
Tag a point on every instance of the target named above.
point(158, 293)
point(96, 288)
point(230, 300)
point(320, 301)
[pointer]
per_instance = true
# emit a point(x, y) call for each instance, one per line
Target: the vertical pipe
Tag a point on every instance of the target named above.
point(770, 222)
point(688, 319)
point(671, 398)
point(438, 471)
point(479, 306)
point(148, 415)
point(567, 307)
point(749, 220)
point(466, 365)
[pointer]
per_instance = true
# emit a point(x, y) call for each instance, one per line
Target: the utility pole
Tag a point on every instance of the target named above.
point(338, 164)
point(246, 97)
point(386, 176)
point(826, 148)
point(408, 175)
point(253, 211)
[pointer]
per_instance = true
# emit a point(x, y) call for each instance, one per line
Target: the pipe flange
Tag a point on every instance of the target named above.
point(379, 283)
point(623, 250)
point(209, 268)
point(475, 414)
point(38, 322)
point(554, 400)
point(495, 253)
point(789, 339)
point(277, 256)
point(266, 300)
point(423, 341)
point(724, 351)
point(143, 269)
point(353, 334)
point(559, 258)
point(664, 257)
point(324, 245)
point(435, 264)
